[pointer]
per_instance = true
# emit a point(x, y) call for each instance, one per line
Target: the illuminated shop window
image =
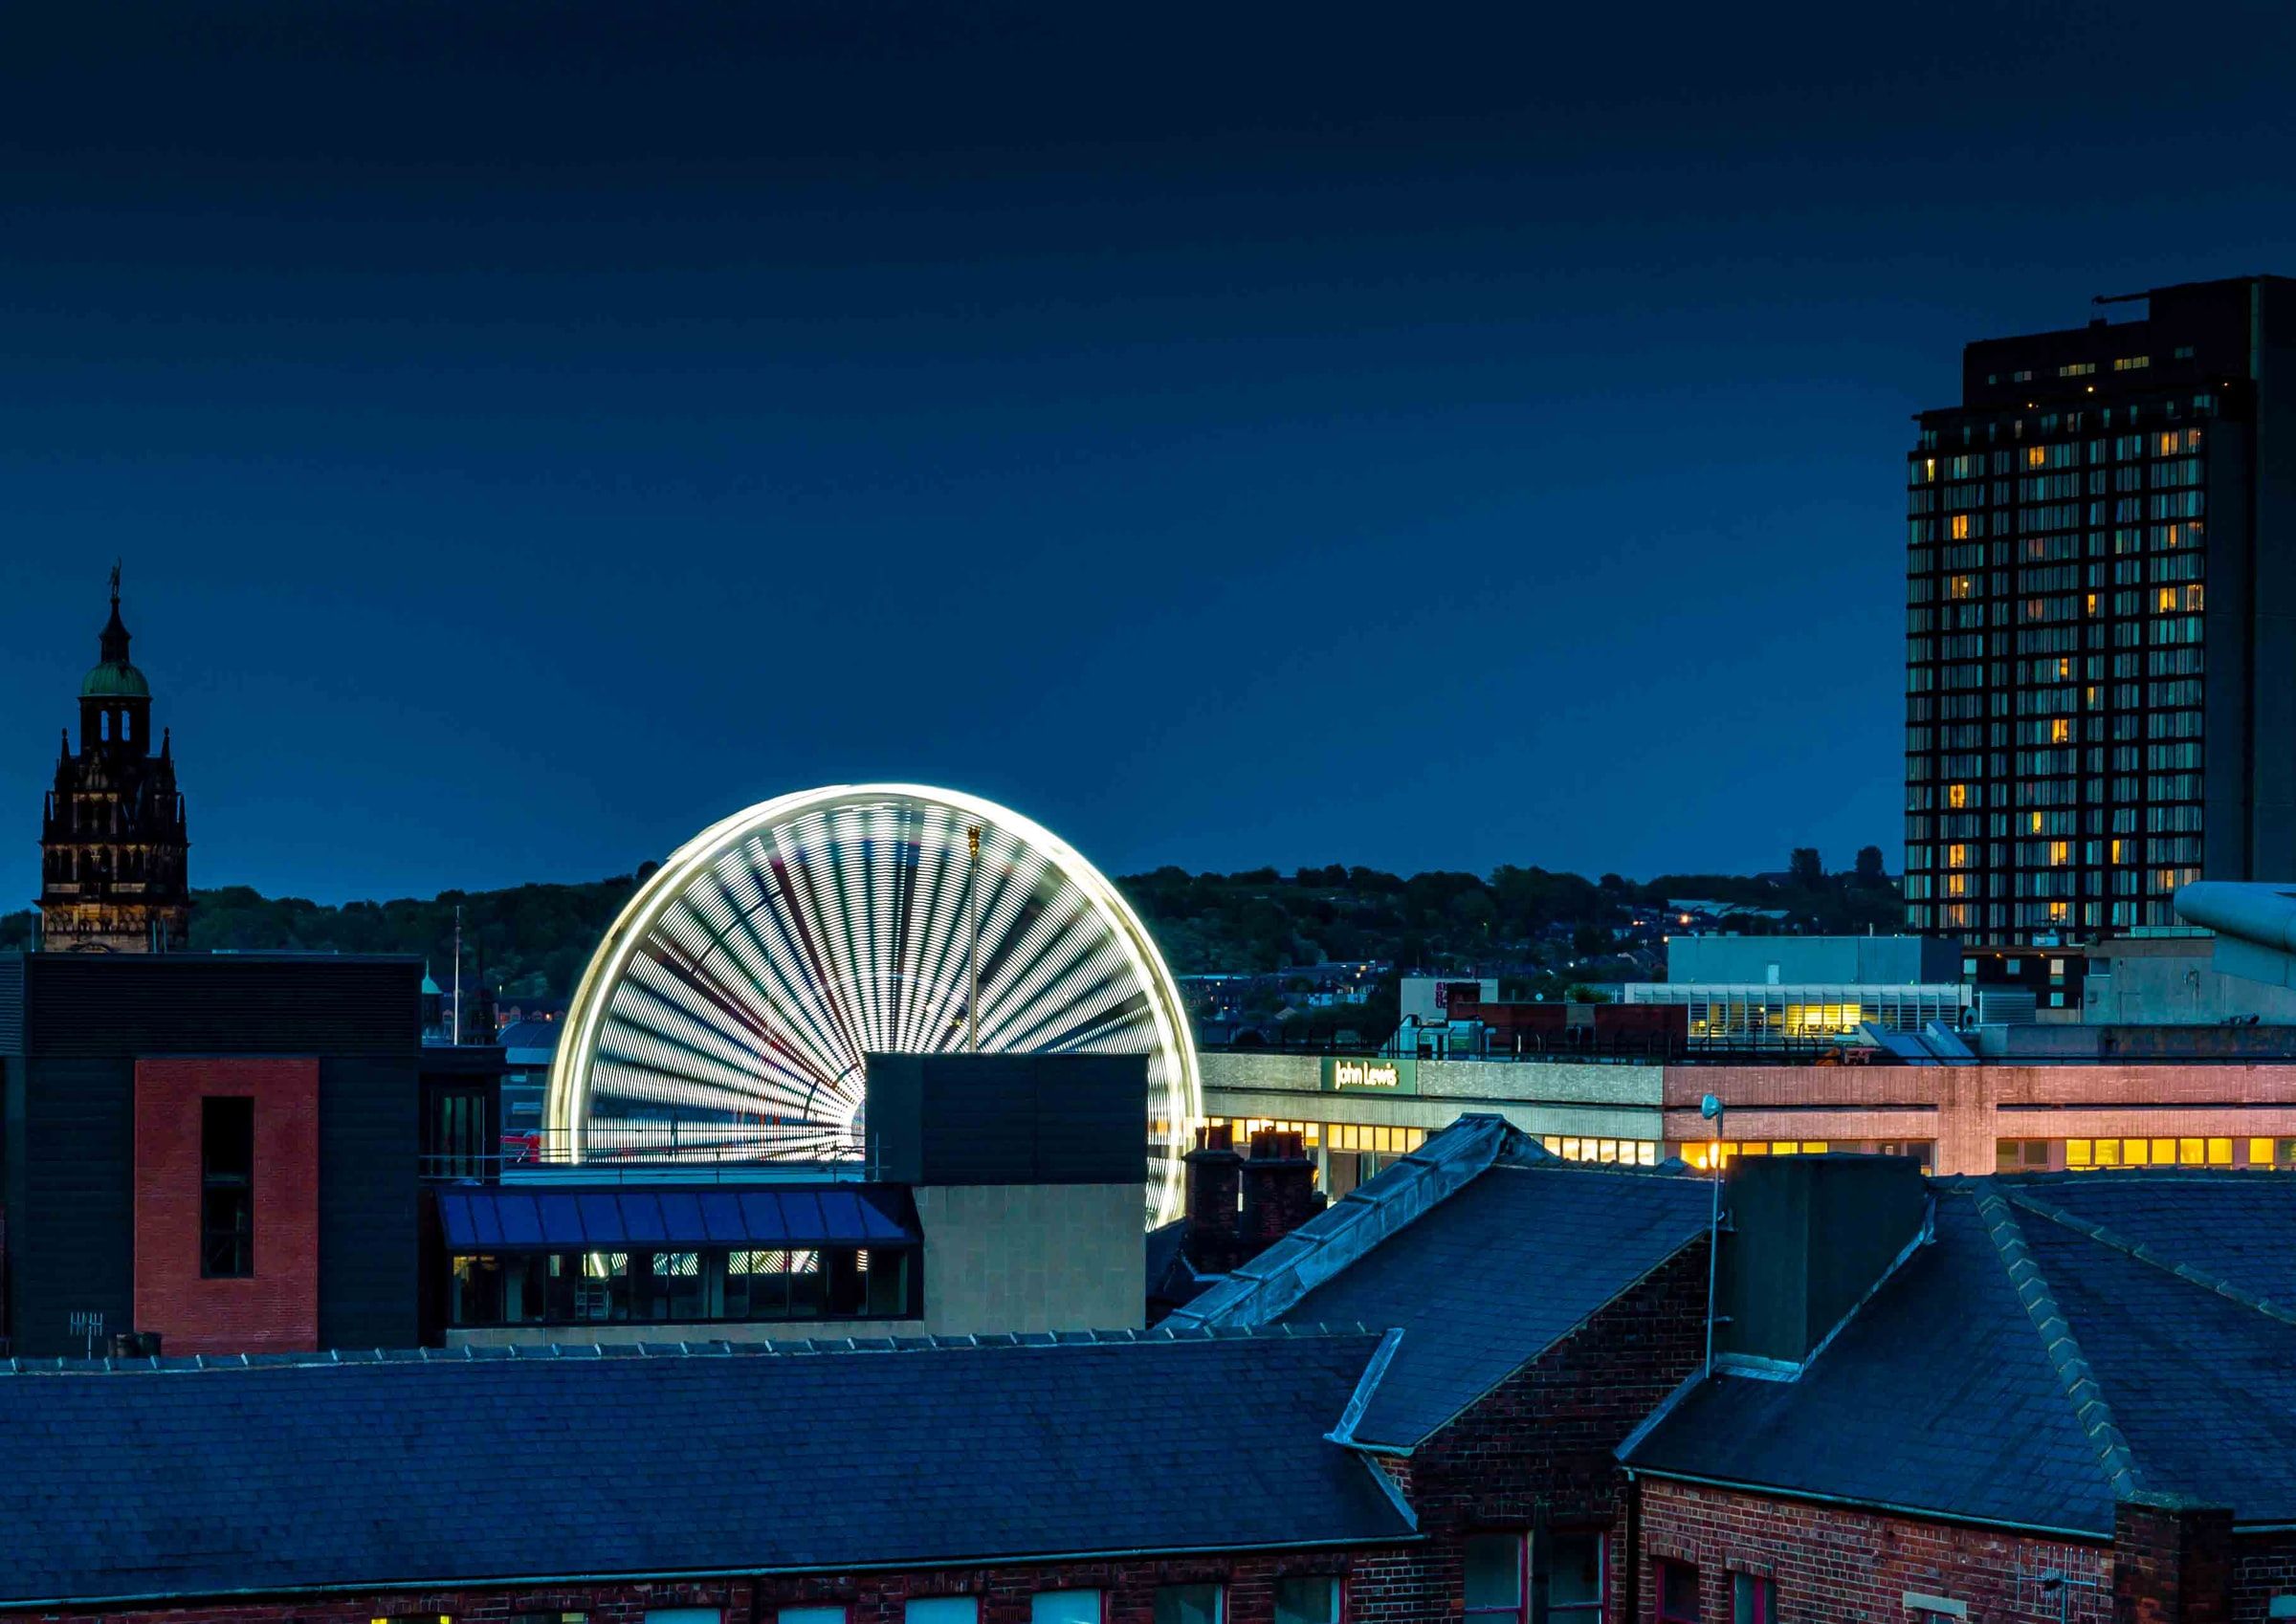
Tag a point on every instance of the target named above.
point(1626, 1153)
point(2147, 1152)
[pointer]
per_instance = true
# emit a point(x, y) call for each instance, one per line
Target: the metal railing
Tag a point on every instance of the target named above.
point(619, 1152)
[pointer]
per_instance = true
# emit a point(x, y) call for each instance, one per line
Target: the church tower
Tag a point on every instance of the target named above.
point(113, 877)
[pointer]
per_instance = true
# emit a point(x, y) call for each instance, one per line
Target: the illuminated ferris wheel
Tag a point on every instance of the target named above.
point(729, 1009)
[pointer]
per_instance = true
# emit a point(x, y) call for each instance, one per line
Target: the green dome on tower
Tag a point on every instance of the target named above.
point(114, 680)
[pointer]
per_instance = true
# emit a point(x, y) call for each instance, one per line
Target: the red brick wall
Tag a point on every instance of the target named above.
point(1540, 1445)
point(1128, 1594)
point(2263, 1565)
point(1835, 1562)
point(276, 1309)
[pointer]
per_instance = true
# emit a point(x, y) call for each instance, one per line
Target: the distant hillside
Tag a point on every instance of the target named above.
point(1529, 925)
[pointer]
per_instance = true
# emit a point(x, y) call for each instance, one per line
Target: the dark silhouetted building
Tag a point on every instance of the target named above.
point(113, 873)
point(220, 1148)
point(2101, 619)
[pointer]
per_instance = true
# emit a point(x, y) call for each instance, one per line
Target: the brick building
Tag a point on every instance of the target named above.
point(1535, 1310)
point(220, 1148)
point(2044, 1397)
point(1143, 1478)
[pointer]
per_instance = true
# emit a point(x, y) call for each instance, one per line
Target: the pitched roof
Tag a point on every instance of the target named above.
point(1481, 1247)
point(2032, 1367)
point(188, 1478)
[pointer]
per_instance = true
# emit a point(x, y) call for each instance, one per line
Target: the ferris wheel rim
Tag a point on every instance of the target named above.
point(568, 1107)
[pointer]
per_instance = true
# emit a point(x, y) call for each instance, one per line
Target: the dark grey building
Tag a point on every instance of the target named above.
point(119, 1075)
point(2101, 619)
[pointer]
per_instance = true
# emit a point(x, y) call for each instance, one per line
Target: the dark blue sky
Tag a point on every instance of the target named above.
point(1422, 437)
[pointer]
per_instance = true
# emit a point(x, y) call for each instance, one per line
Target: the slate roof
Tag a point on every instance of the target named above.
point(1481, 1247)
point(2032, 1366)
point(193, 1478)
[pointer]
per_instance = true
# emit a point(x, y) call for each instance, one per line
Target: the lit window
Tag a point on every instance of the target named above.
point(2061, 731)
point(2130, 362)
point(1190, 1604)
point(1082, 1606)
point(2059, 912)
point(2220, 1153)
point(1956, 856)
point(1677, 1593)
point(1299, 1601)
point(1497, 1577)
point(1956, 527)
point(1752, 1600)
point(2035, 823)
point(1956, 795)
point(2036, 458)
point(2058, 850)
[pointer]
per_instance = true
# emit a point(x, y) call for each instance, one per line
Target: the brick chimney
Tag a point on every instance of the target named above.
point(1279, 1190)
point(2171, 1561)
point(1214, 1197)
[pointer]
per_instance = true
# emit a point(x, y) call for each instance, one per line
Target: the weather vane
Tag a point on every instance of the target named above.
point(115, 581)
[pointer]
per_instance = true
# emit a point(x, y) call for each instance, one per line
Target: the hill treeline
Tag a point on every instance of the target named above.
point(533, 940)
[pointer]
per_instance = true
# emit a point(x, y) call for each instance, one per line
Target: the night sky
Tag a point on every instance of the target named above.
point(1420, 437)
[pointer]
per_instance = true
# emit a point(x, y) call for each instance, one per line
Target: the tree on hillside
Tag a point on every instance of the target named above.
point(1869, 870)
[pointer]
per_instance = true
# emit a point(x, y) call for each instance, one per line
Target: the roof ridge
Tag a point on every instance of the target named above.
point(1276, 1280)
point(2079, 1381)
point(2104, 1236)
point(668, 1352)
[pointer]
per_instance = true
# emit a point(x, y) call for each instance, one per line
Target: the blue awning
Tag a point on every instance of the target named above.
point(494, 1218)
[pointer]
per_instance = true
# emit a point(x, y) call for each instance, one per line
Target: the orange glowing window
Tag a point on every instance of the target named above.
point(2059, 912)
point(1956, 885)
point(2167, 599)
point(2093, 603)
point(2116, 851)
point(1956, 528)
point(2061, 731)
point(1956, 856)
point(2168, 445)
point(1956, 795)
point(1960, 586)
point(2036, 823)
point(2060, 851)
point(2065, 668)
point(2036, 458)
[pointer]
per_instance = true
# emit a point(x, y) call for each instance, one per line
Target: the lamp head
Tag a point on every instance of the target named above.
point(1710, 1108)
